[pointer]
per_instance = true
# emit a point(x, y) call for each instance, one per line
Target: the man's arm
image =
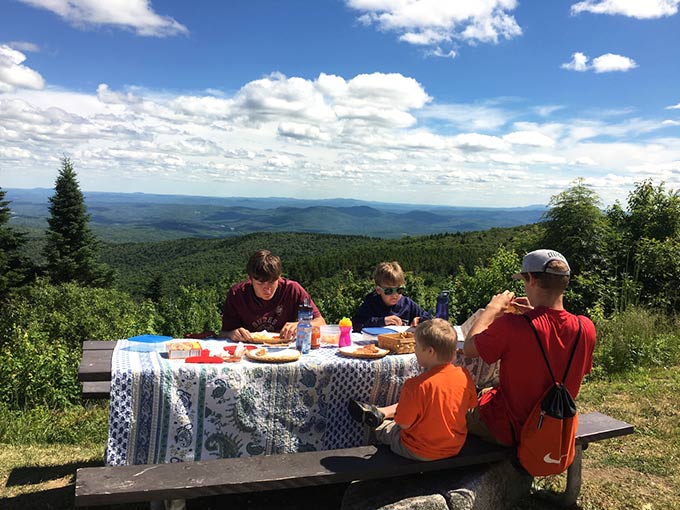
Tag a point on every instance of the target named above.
point(494, 309)
point(236, 335)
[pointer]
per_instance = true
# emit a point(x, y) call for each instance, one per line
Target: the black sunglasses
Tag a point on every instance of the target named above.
point(391, 290)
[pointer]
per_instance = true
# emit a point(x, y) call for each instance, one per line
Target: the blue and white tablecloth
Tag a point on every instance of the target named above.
point(169, 411)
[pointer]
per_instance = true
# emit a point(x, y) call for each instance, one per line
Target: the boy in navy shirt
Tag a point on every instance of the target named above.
point(386, 305)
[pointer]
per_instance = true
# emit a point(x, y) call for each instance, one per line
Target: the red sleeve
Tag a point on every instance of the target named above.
point(493, 341)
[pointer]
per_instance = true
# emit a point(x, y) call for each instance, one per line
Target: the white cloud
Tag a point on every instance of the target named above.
point(530, 138)
point(360, 131)
point(302, 131)
point(24, 46)
point(674, 107)
point(436, 23)
point(610, 62)
point(607, 63)
point(579, 62)
point(135, 15)
point(641, 9)
point(13, 74)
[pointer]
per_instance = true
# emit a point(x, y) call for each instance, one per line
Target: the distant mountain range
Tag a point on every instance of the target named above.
point(141, 217)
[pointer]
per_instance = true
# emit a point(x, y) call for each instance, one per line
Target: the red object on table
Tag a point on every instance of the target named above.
point(232, 348)
point(205, 357)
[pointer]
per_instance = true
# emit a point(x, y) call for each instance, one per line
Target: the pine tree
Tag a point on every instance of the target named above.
point(15, 268)
point(72, 249)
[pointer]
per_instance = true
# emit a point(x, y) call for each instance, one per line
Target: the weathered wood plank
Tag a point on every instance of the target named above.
point(597, 426)
point(96, 389)
point(95, 365)
point(104, 345)
point(128, 484)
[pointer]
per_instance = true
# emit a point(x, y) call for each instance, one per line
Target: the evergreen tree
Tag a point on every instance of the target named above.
point(15, 268)
point(72, 249)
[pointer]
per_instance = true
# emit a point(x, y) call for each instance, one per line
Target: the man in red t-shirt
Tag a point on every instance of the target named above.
point(264, 302)
point(499, 335)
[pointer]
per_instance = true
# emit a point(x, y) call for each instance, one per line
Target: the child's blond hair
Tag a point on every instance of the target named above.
point(389, 273)
point(440, 335)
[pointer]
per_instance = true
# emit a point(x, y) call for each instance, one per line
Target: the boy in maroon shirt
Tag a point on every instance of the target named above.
point(264, 302)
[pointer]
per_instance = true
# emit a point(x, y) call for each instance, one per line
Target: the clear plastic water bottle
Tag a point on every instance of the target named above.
point(303, 338)
point(443, 305)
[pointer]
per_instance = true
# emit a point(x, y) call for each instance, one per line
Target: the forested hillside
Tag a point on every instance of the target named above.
point(306, 257)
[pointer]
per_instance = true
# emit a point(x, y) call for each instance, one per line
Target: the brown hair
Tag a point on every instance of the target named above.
point(388, 273)
point(440, 335)
point(553, 282)
point(263, 266)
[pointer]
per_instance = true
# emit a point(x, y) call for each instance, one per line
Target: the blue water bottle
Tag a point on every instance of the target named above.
point(443, 305)
point(303, 338)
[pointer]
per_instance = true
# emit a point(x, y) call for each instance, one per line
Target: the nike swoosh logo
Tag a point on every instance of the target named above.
point(549, 460)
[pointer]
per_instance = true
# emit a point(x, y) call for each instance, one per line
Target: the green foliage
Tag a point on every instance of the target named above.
point(192, 310)
point(41, 332)
point(473, 291)
point(15, 268)
point(636, 338)
point(576, 227)
point(659, 272)
point(340, 295)
point(653, 212)
point(71, 250)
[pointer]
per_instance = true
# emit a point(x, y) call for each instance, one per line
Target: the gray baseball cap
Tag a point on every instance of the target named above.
point(536, 262)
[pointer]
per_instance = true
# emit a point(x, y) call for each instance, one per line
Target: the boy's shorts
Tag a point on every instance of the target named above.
point(388, 433)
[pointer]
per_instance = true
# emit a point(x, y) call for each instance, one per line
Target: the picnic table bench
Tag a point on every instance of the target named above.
point(180, 481)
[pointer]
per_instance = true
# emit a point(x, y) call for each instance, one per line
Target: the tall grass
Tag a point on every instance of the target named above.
point(636, 338)
point(76, 425)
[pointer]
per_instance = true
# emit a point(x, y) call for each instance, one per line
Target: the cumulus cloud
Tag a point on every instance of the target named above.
point(13, 74)
point(673, 107)
point(641, 9)
point(607, 63)
point(363, 131)
point(440, 25)
point(579, 62)
point(135, 15)
point(610, 62)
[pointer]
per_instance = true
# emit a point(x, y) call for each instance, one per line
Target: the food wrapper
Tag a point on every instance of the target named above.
point(183, 349)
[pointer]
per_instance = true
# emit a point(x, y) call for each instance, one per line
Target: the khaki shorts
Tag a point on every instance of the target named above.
point(477, 427)
point(388, 433)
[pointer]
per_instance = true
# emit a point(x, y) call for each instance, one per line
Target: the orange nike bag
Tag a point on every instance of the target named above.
point(547, 439)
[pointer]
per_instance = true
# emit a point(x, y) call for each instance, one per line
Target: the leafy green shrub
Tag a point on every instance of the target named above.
point(191, 310)
point(471, 292)
point(636, 338)
point(41, 333)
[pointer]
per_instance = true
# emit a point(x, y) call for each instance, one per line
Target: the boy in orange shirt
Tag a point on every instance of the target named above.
point(428, 422)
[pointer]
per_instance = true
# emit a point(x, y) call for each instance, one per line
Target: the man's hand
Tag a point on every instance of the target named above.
point(496, 307)
point(521, 304)
point(500, 302)
point(393, 320)
point(239, 335)
point(288, 331)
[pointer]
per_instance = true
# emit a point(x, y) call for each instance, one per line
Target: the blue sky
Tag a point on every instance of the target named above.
point(486, 103)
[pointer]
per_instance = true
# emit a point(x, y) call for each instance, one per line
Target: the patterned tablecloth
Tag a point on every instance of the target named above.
point(169, 411)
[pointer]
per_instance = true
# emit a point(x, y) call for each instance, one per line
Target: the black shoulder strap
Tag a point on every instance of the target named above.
point(545, 357)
